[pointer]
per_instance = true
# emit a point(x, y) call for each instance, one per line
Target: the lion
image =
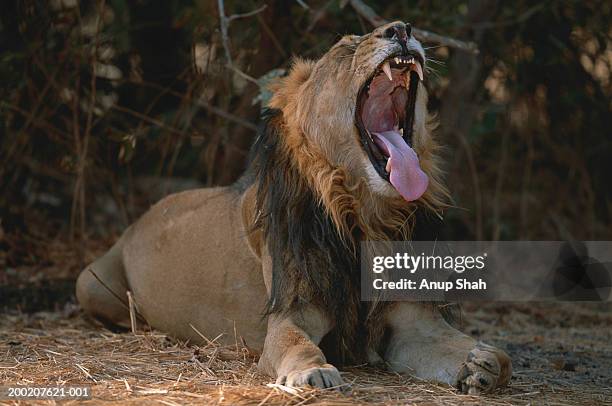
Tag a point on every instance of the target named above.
point(345, 153)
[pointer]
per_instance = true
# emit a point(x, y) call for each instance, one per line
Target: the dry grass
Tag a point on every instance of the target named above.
point(149, 367)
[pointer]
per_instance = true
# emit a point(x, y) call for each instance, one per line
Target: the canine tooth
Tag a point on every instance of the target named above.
point(418, 69)
point(396, 60)
point(387, 69)
point(388, 166)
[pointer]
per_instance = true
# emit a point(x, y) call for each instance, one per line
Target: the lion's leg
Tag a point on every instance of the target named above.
point(291, 352)
point(424, 344)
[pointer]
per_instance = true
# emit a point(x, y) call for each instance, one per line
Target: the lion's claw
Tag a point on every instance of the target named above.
point(485, 369)
point(324, 376)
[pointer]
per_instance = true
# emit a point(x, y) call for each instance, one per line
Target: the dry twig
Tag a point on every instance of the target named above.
point(225, 23)
point(132, 306)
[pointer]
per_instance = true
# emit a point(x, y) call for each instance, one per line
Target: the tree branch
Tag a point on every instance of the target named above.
point(224, 22)
point(224, 37)
point(369, 14)
point(244, 15)
point(200, 102)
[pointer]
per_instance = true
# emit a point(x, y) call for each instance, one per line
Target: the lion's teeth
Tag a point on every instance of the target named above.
point(388, 166)
point(418, 69)
point(401, 131)
point(387, 69)
point(396, 60)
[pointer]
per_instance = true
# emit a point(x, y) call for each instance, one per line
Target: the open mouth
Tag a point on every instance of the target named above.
point(385, 120)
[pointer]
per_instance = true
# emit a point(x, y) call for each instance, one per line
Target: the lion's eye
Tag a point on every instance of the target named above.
point(389, 32)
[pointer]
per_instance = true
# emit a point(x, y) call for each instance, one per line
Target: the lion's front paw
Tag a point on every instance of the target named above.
point(485, 369)
point(324, 376)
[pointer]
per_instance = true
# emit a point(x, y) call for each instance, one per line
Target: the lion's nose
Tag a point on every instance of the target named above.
point(399, 32)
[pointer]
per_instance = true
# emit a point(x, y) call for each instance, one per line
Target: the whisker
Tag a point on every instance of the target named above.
point(440, 63)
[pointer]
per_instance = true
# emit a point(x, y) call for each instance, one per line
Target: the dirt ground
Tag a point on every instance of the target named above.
point(562, 355)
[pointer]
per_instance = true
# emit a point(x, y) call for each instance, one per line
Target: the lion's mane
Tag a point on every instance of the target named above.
point(314, 216)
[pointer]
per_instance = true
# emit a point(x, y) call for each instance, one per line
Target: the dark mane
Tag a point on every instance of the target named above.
point(312, 264)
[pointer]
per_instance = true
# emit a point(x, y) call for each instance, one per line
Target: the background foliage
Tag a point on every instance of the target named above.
point(107, 105)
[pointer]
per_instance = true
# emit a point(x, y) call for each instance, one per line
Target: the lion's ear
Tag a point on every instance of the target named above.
point(286, 90)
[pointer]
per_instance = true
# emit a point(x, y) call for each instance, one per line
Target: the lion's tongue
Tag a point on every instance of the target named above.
point(406, 175)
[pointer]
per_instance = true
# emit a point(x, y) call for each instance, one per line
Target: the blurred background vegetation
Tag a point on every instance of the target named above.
point(105, 106)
